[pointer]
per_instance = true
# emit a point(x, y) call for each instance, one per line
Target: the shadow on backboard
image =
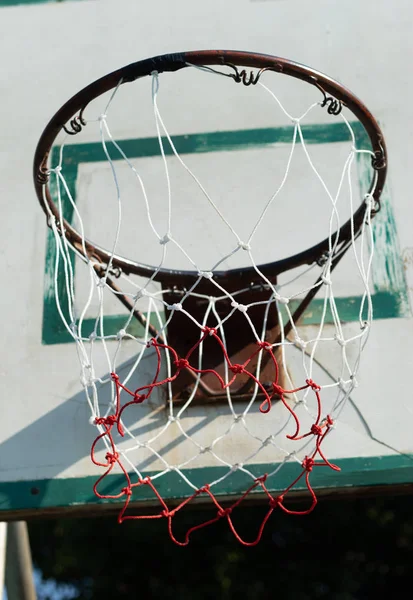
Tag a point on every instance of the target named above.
point(41, 465)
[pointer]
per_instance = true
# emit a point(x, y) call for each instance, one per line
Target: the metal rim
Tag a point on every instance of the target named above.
point(72, 111)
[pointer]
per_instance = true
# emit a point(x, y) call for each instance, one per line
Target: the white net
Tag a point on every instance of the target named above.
point(176, 403)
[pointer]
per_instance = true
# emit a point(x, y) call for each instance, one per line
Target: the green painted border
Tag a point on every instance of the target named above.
point(390, 297)
point(78, 491)
point(21, 2)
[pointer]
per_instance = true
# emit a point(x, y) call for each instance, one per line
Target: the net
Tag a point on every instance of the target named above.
point(217, 385)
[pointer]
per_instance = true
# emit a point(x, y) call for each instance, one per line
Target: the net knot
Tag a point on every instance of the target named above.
point(168, 513)
point(244, 246)
point(121, 334)
point(181, 363)
point(175, 306)
point(326, 280)
point(112, 458)
point(265, 345)
point(206, 274)
point(308, 464)
point(224, 512)
point(109, 420)
point(237, 369)
point(102, 117)
point(313, 385)
point(329, 421)
point(114, 377)
point(282, 300)
point(300, 342)
point(275, 502)
point(127, 491)
point(369, 201)
point(316, 429)
point(342, 342)
point(138, 398)
point(277, 389)
point(342, 384)
point(209, 330)
point(87, 381)
point(262, 478)
point(56, 169)
point(354, 381)
point(241, 307)
point(166, 238)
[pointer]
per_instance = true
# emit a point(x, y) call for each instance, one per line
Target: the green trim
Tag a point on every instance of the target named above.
point(216, 141)
point(78, 491)
point(388, 273)
point(20, 2)
point(385, 305)
point(390, 297)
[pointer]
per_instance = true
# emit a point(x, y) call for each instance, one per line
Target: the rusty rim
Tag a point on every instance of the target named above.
point(70, 118)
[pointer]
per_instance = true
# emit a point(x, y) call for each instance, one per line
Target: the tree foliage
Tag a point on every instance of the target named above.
point(350, 549)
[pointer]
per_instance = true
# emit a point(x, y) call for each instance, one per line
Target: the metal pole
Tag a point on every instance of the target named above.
point(19, 570)
point(3, 538)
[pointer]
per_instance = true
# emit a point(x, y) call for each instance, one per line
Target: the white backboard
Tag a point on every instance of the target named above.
point(45, 437)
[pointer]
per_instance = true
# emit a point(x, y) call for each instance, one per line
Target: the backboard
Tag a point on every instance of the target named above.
point(46, 438)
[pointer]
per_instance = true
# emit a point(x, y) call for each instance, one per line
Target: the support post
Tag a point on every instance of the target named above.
point(19, 570)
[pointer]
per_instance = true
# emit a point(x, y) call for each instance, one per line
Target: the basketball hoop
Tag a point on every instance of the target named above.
point(220, 336)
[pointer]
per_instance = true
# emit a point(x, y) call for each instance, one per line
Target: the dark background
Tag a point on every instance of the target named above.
point(347, 549)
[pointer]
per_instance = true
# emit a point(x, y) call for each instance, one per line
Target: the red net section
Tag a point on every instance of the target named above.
point(319, 429)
